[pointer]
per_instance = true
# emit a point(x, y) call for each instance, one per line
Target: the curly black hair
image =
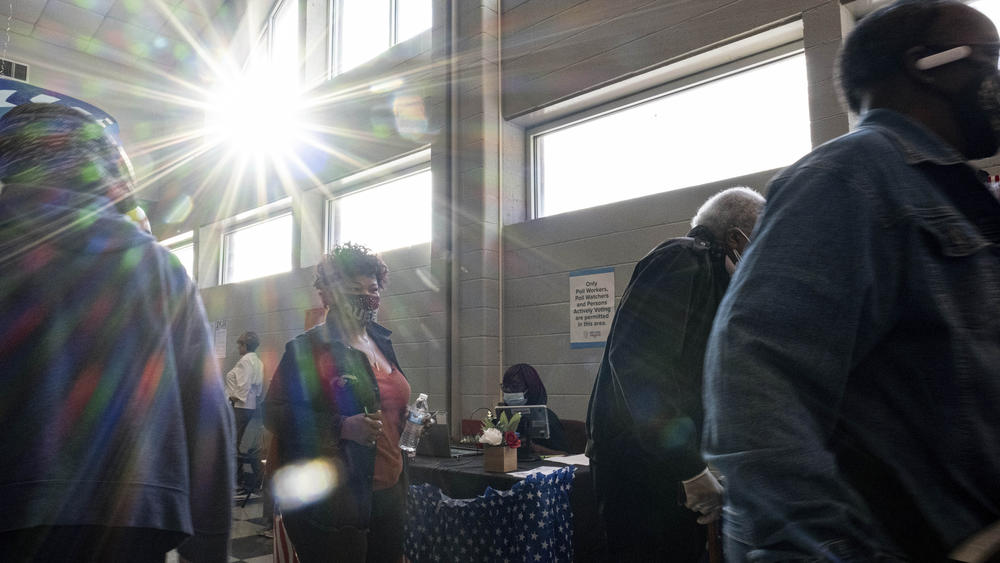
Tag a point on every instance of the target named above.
point(874, 50)
point(347, 261)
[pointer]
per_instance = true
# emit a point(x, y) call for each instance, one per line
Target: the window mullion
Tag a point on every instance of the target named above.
point(393, 22)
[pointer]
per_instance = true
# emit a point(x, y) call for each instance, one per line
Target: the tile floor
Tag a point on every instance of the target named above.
point(245, 545)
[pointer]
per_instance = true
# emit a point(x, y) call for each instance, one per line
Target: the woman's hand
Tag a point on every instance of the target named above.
point(362, 428)
point(429, 421)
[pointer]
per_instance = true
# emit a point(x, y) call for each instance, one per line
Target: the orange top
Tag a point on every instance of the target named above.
point(394, 391)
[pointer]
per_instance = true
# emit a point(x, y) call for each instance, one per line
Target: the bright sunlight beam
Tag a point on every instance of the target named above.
point(253, 115)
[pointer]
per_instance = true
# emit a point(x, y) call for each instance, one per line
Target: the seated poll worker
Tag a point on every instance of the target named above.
point(522, 385)
point(339, 396)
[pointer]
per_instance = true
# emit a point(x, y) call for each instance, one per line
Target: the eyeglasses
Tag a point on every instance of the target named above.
point(948, 54)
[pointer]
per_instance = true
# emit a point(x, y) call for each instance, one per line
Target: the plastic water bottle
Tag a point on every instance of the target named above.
point(415, 416)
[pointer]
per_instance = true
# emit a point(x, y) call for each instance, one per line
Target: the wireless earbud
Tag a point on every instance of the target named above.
point(943, 58)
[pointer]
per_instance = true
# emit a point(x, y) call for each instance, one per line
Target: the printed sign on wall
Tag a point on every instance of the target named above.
point(221, 335)
point(591, 306)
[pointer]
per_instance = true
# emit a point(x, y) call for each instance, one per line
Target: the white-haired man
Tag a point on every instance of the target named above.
point(645, 414)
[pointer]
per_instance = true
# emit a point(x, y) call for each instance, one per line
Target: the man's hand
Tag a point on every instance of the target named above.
point(704, 494)
point(362, 428)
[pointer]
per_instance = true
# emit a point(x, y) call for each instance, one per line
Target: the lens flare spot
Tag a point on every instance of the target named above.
point(143, 130)
point(677, 433)
point(131, 259)
point(410, 116)
point(93, 88)
point(180, 210)
point(301, 484)
point(90, 173)
point(181, 51)
point(140, 49)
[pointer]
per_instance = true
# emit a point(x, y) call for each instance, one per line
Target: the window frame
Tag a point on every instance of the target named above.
point(268, 212)
point(534, 156)
point(180, 241)
point(333, 25)
point(269, 29)
point(370, 178)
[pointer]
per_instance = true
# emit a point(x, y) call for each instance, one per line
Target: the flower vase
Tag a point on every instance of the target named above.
point(499, 459)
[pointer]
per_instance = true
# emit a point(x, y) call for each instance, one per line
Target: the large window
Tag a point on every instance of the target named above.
point(256, 249)
point(364, 28)
point(383, 216)
point(702, 131)
point(182, 246)
point(284, 32)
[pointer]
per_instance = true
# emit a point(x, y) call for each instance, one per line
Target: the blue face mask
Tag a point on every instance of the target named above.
point(514, 399)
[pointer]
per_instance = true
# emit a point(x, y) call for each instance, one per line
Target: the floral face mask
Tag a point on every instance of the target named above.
point(364, 308)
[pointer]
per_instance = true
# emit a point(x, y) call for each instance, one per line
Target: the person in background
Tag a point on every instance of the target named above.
point(244, 383)
point(645, 414)
point(521, 385)
point(338, 394)
point(118, 438)
point(853, 374)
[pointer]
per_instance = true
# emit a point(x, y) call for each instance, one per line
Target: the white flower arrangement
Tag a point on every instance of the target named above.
point(491, 437)
point(503, 432)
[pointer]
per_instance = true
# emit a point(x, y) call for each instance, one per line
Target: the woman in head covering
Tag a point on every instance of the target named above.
point(522, 386)
point(338, 401)
point(54, 145)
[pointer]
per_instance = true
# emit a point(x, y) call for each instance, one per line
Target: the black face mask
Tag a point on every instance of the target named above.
point(977, 108)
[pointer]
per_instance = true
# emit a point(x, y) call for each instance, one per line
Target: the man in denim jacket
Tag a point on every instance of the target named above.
point(852, 378)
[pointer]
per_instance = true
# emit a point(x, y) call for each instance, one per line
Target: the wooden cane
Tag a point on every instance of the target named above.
point(714, 543)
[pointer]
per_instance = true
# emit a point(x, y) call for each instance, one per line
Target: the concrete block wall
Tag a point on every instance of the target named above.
point(824, 28)
point(539, 256)
point(557, 49)
point(476, 364)
point(554, 50)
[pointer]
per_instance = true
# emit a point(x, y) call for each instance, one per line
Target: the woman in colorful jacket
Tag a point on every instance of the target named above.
point(336, 405)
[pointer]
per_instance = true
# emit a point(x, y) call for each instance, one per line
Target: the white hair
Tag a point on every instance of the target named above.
point(732, 207)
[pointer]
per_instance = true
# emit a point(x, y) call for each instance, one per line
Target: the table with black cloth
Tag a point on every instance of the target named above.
point(465, 478)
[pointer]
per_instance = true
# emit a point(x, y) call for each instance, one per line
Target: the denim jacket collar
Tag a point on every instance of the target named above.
point(918, 143)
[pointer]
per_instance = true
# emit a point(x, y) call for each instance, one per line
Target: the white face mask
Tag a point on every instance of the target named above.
point(733, 257)
point(514, 399)
point(730, 265)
